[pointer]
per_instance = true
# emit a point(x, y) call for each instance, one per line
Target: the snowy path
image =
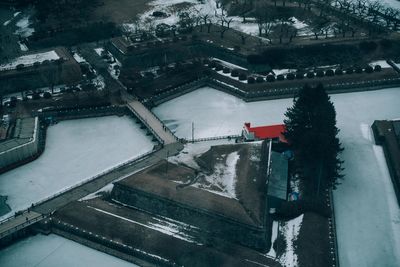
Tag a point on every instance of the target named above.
point(53, 250)
point(367, 214)
point(75, 151)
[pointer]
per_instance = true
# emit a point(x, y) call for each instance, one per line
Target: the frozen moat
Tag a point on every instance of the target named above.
point(367, 213)
point(75, 151)
point(53, 250)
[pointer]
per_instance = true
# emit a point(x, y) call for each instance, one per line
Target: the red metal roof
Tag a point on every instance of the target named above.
point(267, 132)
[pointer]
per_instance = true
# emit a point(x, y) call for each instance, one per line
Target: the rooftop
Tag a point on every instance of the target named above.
point(210, 189)
point(267, 132)
point(278, 178)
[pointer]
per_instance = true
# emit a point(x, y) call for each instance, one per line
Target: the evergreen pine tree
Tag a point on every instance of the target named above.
point(312, 132)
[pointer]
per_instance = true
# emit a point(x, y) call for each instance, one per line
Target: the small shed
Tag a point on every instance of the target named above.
point(274, 132)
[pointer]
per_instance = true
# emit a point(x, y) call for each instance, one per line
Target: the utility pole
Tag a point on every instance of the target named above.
point(192, 132)
point(166, 167)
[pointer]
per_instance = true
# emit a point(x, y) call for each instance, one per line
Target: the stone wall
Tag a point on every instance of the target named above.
point(212, 224)
point(22, 148)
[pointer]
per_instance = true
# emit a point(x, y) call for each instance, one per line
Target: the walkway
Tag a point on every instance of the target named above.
point(152, 122)
point(42, 210)
point(154, 125)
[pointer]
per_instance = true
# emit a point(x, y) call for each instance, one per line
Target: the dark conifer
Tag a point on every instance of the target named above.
point(312, 132)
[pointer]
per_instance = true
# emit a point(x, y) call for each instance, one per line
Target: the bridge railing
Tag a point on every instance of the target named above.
point(22, 225)
point(146, 124)
point(211, 138)
point(131, 161)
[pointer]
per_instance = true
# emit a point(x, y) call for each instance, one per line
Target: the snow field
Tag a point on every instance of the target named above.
point(53, 250)
point(30, 59)
point(24, 29)
point(76, 150)
point(367, 213)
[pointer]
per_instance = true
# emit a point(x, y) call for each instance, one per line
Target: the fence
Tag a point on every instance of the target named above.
point(332, 224)
point(212, 138)
point(146, 124)
point(21, 226)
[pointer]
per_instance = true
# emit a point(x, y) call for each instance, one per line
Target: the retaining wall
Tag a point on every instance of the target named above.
point(21, 151)
point(215, 224)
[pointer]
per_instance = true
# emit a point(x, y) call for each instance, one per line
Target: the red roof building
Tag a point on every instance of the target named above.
point(274, 132)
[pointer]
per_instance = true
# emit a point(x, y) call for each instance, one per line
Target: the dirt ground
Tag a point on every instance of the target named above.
point(313, 241)
point(120, 11)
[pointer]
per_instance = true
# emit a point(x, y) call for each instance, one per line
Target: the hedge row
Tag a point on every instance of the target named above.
point(290, 76)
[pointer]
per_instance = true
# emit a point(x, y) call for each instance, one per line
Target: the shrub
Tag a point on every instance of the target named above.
point(369, 69)
point(35, 96)
point(385, 43)
point(338, 71)
point(349, 71)
point(46, 95)
point(329, 73)
point(19, 66)
point(290, 76)
point(377, 68)
point(310, 75)
point(280, 77)
point(299, 75)
point(368, 46)
point(358, 70)
point(242, 76)
point(213, 64)
point(260, 79)
point(251, 80)
point(270, 78)
point(219, 67)
point(226, 70)
point(320, 73)
point(235, 73)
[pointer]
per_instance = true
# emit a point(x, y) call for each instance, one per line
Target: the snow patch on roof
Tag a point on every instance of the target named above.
point(290, 231)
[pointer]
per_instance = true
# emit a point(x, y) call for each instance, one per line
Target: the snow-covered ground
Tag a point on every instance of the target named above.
point(367, 213)
point(53, 250)
point(382, 63)
point(215, 113)
point(388, 3)
point(30, 59)
point(24, 27)
point(75, 151)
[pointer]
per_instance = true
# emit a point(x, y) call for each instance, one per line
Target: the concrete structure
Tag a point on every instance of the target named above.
point(162, 189)
point(387, 135)
point(277, 183)
point(24, 143)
